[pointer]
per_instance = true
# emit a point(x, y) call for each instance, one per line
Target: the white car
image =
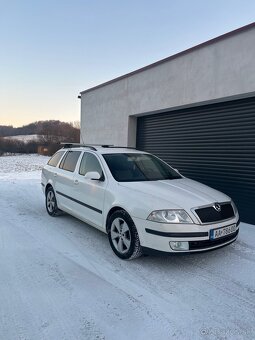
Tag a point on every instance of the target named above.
point(143, 204)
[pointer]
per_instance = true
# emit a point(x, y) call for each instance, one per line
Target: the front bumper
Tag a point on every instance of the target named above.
point(156, 237)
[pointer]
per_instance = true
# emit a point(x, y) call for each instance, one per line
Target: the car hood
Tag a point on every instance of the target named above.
point(181, 193)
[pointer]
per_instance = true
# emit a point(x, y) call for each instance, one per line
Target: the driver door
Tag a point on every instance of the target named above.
point(89, 194)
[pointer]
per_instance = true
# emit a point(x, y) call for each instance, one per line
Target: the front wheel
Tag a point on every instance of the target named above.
point(123, 236)
point(51, 202)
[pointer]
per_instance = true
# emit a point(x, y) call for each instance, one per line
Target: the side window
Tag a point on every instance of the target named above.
point(89, 163)
point(82, 170)
point(56, 158)
point(70, 161)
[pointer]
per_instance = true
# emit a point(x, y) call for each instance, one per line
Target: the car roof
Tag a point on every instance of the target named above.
point(104, 150)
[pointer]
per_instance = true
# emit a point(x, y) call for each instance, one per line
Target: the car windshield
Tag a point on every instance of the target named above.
point(135, 167)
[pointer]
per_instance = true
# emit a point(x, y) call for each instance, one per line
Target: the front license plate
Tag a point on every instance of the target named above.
point(221, 232)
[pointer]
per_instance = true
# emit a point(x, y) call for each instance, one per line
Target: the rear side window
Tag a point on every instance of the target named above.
point(70, 161)
point(89, 163)
point(56, 158)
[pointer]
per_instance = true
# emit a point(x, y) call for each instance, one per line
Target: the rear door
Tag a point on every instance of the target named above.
point(50, 171)
point(89, 194)
point(65, 180)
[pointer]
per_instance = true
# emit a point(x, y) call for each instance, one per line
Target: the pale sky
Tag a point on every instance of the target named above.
point(50, 50)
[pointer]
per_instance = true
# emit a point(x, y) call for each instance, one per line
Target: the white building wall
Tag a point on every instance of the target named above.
point(222, 70)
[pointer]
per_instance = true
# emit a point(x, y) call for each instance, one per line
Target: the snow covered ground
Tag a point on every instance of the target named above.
point(20, 166)
point(59, 279)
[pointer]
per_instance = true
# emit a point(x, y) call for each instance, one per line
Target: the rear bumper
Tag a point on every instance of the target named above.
point(157, 241)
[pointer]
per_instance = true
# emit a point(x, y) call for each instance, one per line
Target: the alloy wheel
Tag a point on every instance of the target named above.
point(120, 235)
point(50, 201)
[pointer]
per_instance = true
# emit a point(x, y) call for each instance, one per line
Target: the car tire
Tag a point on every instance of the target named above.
point(123, 236)
point(51, 202)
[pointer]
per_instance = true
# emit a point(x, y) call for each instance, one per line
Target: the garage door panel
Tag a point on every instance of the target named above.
point(214, 144)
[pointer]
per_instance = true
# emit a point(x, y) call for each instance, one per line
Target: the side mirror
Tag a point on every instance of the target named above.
point(93, 175)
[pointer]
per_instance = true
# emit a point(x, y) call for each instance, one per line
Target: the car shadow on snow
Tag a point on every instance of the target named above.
point(95, 239)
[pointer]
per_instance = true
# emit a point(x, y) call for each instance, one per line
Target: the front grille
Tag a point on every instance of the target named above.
point(196, 245)
point(209, 214)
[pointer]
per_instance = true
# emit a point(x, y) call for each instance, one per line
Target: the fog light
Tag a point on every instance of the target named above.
point(178, 245)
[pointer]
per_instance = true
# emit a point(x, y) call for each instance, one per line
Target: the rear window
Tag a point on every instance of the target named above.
point(56, 158)
point(70, 161)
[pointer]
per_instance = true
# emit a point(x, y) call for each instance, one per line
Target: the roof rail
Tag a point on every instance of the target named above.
point(69, 145)
point(92, 146)
point(104, 145)
point(118, 147)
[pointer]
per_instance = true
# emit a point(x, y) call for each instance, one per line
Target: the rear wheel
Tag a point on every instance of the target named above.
point(51, 202)
point(123, 236)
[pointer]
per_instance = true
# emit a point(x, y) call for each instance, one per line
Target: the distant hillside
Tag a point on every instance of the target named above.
point(42, 136)
point(47, 127)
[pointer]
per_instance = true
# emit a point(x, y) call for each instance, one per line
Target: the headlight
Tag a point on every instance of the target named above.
point(169, 216)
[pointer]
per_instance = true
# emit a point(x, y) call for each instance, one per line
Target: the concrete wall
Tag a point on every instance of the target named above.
point(213, 72)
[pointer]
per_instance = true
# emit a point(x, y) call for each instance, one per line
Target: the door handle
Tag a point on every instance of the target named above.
point(76, 181)
point(55, 174)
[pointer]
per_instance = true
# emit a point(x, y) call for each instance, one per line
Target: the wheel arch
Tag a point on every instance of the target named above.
point(110, 212)
point(49, 185)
